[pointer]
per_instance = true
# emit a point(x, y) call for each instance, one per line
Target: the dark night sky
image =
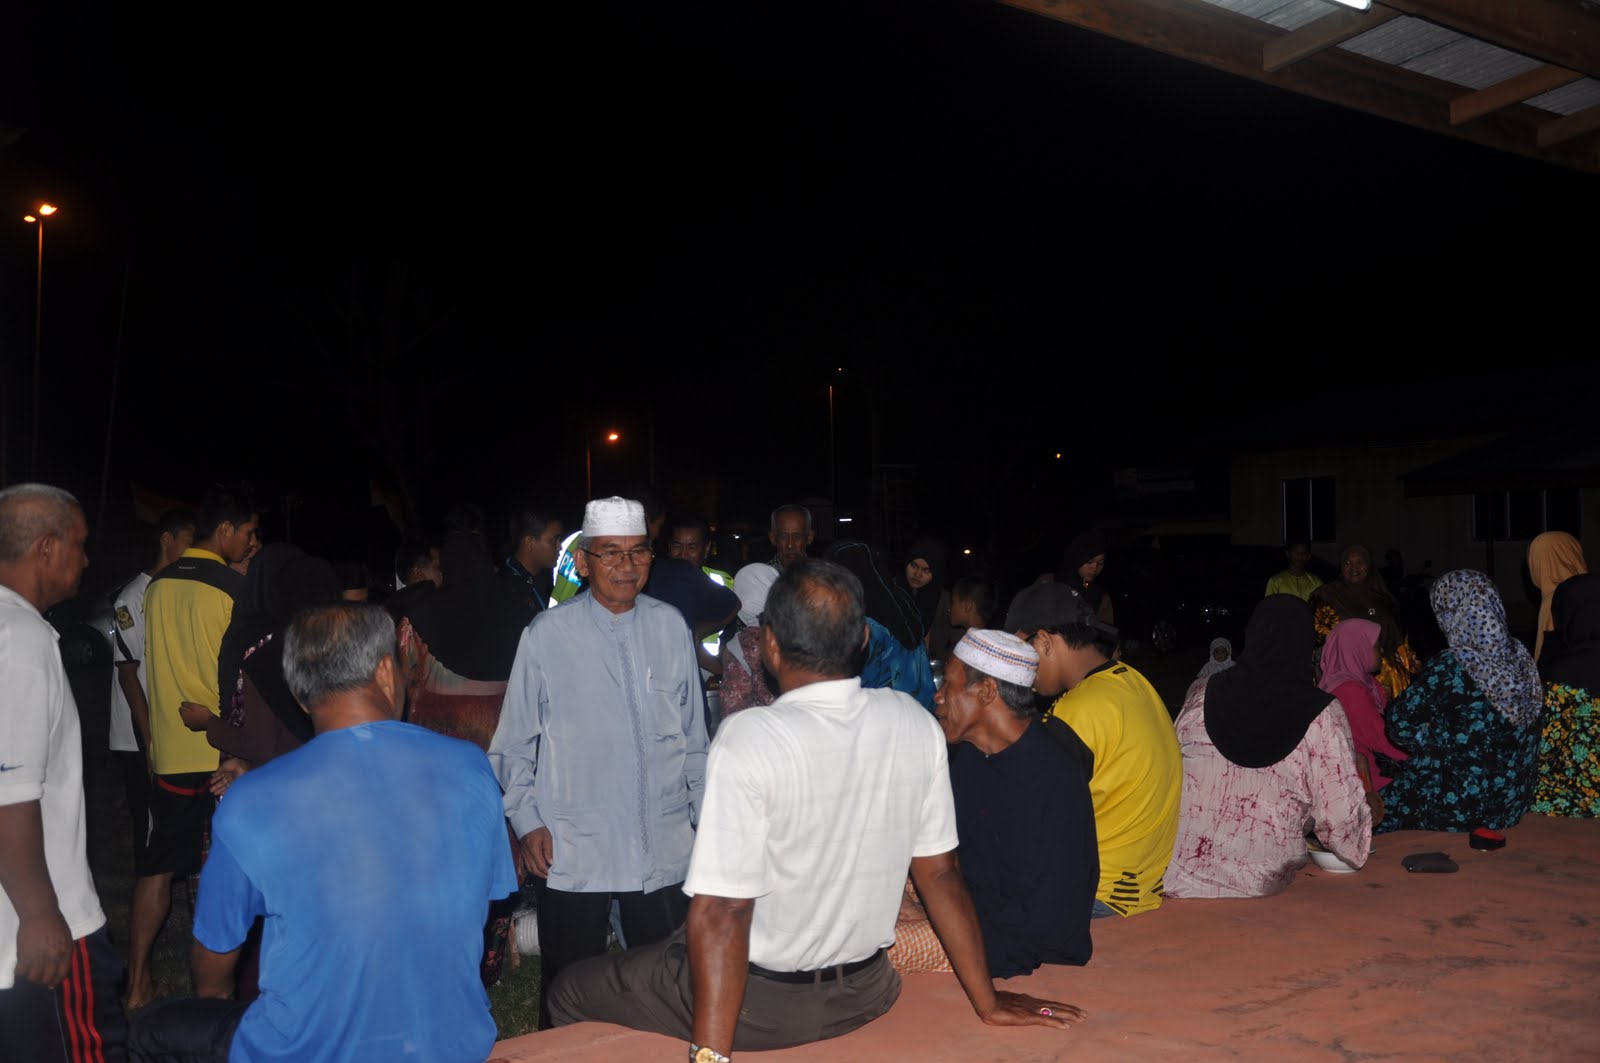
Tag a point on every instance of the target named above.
point(1011, 234)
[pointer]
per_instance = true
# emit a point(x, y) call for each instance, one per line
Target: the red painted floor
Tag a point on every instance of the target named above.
point(1499, 961)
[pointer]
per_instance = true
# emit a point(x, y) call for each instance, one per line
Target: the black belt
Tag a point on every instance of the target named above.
point(826, 974)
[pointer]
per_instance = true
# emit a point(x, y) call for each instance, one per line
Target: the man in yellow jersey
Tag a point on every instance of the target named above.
point(187, 609)
point(1136, 781)
point(1296, 579)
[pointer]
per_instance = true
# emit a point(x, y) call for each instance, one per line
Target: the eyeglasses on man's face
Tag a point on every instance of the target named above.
point(613, 556)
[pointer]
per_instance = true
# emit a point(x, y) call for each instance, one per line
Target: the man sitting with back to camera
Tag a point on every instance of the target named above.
point(814, 808)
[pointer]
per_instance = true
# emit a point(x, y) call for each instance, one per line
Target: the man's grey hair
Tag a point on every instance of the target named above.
point(334, 648)
point(815, 611)
point(29, 512)
point(792, 507)
point(1021, 700)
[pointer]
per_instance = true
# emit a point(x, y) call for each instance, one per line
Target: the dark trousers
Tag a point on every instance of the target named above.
point(572, 927)
point(650, 989)
point(192, 1030)
point(136, 785)
point(79, 1021)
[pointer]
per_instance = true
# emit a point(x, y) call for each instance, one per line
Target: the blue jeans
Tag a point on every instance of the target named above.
point(1101, 909)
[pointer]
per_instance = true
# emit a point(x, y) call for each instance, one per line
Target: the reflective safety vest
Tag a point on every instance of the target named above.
point(713, 641)
point(567, 581)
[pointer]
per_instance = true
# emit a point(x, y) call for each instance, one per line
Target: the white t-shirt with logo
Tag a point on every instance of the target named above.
point(41, 760)
point(127, 624)
point(815, 806)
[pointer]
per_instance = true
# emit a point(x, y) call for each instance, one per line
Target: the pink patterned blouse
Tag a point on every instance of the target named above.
point(1241, 831)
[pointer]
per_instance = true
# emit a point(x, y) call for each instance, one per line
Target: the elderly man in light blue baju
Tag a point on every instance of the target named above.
point(601, 750)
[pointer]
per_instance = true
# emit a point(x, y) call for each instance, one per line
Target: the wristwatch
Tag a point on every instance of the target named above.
point(706, 1055)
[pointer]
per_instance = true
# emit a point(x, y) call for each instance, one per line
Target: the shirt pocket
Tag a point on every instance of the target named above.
point(575, 830)
point(668, 696)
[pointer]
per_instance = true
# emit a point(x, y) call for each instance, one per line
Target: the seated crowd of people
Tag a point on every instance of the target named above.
point(758, 783)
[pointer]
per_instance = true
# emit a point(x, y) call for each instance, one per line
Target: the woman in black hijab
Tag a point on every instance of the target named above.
point(1082, 563)
point(924, 579)
point(1259, 710)
point(1266, 755)
point(259, 718)
point(458, 644)
point(1569, 752)
point(456, 649)
point(887, 601)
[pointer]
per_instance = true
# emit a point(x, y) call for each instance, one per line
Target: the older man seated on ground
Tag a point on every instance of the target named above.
point(1023, 813)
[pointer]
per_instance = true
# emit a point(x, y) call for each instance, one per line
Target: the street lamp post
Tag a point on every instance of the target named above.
point(588, 461)
point(37, 218)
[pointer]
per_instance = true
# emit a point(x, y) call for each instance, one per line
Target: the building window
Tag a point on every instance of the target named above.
point(1517, 516)
point(1308, 510)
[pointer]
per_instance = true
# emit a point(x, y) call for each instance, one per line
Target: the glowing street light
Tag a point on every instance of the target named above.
point(41, 212)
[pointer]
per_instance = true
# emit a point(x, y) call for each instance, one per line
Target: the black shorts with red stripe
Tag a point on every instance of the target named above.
point(79, 1021)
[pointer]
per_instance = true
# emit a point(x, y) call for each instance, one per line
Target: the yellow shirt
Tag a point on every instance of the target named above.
point(1287, 582)
point(187, 609)
point(1137, 783)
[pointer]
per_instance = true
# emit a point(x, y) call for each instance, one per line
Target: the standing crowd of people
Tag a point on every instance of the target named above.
point(758, 783)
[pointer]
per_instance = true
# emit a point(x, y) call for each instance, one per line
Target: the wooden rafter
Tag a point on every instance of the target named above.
point(1234, 43)
point(1324, 33)
point(1512, 90)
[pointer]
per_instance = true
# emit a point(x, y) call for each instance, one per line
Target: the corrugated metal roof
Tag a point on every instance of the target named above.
point(1285, 14)
point(1401, 41)
point(1292, 16)
point(1473, 63)
point(1570, 99)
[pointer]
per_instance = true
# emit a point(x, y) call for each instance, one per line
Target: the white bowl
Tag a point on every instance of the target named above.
point(1328, 862)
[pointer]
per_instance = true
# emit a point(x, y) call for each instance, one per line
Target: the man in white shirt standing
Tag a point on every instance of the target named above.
point(815, 807)
point(58, 971)
point(130, 710)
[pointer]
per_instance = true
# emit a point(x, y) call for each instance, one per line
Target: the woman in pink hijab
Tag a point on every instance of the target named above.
point(1350, 658)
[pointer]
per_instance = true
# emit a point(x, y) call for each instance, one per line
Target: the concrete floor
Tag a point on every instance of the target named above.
point(1499, 961)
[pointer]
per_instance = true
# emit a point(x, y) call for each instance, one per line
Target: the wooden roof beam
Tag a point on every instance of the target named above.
point(1512, 90)
point(1561, 130)
point(1562, 32)
point(1324, 33)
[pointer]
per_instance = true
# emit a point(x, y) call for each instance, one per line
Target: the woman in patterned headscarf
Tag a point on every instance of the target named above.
point(1471, 720)
point(1552, 557)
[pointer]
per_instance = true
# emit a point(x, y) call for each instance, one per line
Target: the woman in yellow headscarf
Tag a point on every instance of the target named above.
point(1552, 557)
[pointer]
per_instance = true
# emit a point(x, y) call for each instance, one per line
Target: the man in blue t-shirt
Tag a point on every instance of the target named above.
point(373, 852)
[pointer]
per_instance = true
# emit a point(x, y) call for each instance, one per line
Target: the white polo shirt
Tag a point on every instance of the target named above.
point(41, 760)
point(815, 806)
point(128, 626)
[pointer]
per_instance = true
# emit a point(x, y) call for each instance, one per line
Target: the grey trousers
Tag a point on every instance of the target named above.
point(649, 989)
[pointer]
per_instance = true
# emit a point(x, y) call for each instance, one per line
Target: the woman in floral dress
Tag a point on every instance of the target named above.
point(1470, 720)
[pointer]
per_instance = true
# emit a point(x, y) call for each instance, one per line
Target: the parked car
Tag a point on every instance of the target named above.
point(1177, 591)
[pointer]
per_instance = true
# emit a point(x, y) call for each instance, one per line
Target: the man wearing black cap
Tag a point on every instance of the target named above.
point(1137, 778)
